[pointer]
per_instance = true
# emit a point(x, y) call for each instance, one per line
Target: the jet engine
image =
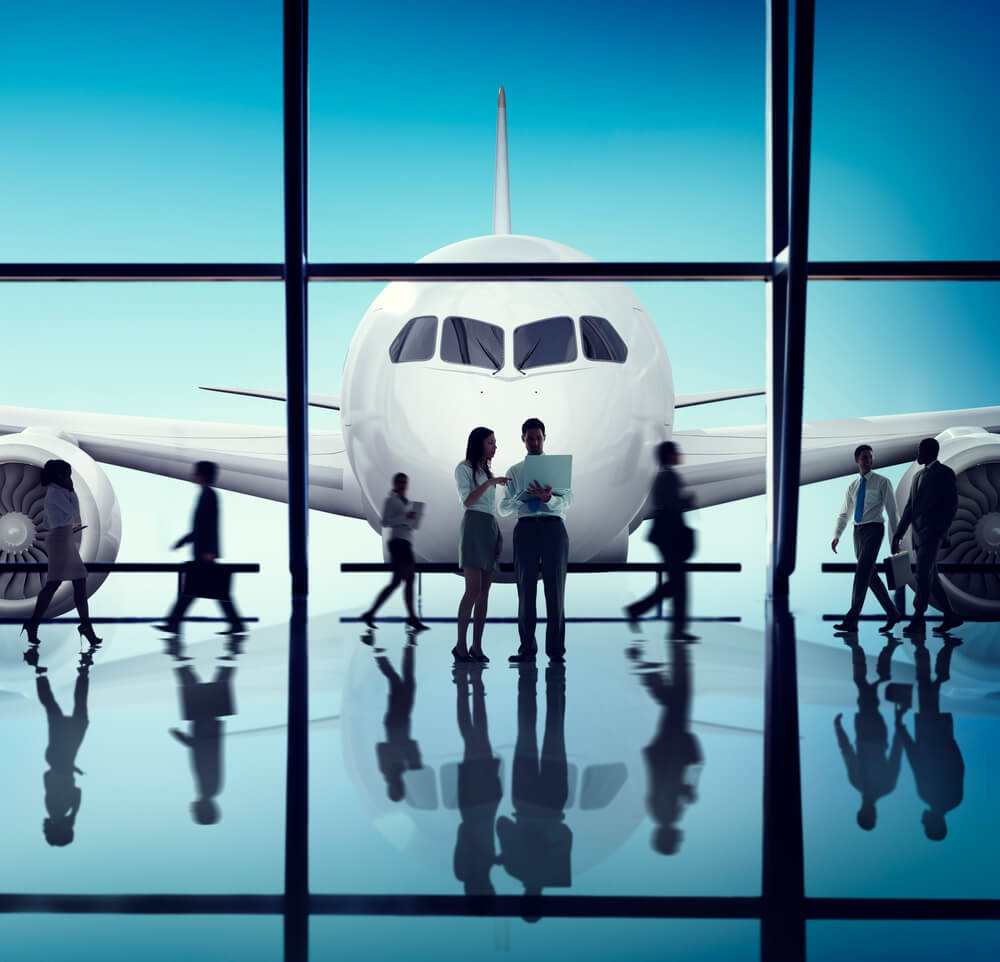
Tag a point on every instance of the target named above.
point(22, 521)
point(974, 537)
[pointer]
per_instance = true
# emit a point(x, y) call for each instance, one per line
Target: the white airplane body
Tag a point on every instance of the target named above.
point(429, 362)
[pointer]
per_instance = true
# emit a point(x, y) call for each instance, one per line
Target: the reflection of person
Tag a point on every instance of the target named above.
point(479, 540)
point(62, 795)
point(535, 845)
point(674, 757)
point(540, 543)
point(204, 539)
point(62, 517)
point(934, 755)
point(673, 539)
point(869, 769)
point(398, 517)
point(204, 704)
point(930, 509)
point(399, 752)
point(868, 496)
point(479, 789)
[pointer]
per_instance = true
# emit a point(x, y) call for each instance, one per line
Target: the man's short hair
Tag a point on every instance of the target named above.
point(400, 476)
point(532, 423)
point(665, 451)
point(859, 449)
point(930, 447)
point(207, 471)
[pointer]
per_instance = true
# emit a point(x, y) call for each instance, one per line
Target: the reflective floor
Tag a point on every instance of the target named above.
point(150, 767)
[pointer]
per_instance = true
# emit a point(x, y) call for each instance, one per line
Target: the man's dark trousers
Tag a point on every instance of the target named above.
point(867, 540)
point(927, 544)
point(675, 586)
point(541, 543)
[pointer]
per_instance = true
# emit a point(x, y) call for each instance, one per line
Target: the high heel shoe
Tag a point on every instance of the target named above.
point(87, 631)
point(32, 631)
point(479, 656)
point(461, 659)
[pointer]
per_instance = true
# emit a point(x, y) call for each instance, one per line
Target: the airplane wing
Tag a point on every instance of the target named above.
point(252, 459)
point(727, 464)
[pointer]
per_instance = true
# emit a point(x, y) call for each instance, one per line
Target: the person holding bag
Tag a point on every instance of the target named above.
point(675, 541)
point(203, 579)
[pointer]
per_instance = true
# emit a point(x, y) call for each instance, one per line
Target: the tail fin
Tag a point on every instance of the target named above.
point(501, 185)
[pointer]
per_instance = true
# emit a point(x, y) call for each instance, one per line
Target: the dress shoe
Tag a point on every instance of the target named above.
point(890, 622)
point(845, 626)
point(460, 658)
point(683, 636)
point(527, 658)
point(917, 626)
point(479, 656)
point(368, 617)
point(557, 659)
point(168, 628)
point(950, 621)
point(632, 618)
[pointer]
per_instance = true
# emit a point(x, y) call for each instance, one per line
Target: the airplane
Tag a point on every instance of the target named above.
point(431, 360)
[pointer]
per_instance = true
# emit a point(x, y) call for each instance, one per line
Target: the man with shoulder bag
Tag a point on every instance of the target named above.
point(675, 541)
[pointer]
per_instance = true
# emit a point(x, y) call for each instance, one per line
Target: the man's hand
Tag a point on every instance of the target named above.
point(177, 544)
point(834, 543)
point(895, 545)
point(543, 493)
point(207, 556)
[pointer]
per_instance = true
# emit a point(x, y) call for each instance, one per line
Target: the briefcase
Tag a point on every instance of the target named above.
point(205, 579)
point(897, 570)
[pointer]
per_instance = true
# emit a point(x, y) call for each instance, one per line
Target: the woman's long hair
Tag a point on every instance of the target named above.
point(474, 451)
point(54, 470)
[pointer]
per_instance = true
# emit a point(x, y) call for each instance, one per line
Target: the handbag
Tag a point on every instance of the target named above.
point(205, 579)
point(897, 570)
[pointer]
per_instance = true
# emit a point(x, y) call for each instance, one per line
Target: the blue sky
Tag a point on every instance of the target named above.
point(153, 132)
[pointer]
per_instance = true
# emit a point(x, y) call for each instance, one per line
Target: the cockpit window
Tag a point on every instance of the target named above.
point(552, 341)
point(415, 342)
point(601, 342)
point(474, 343)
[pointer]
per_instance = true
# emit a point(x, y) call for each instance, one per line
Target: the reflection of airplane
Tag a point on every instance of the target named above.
point(428, 362)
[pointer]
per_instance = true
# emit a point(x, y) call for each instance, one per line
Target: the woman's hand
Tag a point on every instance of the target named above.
point(499, 480)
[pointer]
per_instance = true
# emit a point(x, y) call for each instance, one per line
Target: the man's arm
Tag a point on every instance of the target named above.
point(845, 513)
point(511, 499)
point(890, 509)
point(904, 523)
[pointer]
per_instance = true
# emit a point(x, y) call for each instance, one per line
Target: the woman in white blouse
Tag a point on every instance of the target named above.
point(479, 540)
point(62, 519)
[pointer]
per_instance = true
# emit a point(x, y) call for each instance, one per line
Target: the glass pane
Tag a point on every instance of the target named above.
point(465, 341)
point(142, 137)
point(917, 940)
point(904, 141)
point(601, 342)
point(583, 939)
point(597, 163)
point(415, 342)
point(552, 341)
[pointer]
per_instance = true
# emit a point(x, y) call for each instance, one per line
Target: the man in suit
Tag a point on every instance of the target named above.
point(673, 539)
point(204, 538)
point(930, 509)
point(868, 496)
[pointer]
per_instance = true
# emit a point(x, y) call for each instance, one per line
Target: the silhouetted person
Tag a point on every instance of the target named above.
point(934, 755)
point(62, 795)
point(540, 545)
point(62, 519)
point(675, 542)
point(930, 509)
point(873, 766)
point(868, 496)
point(204, 704)
point(674, 757)
point(535, 846)
point(398, 516)
point(479, 788)
point(399, 752)
point(204, 539)
point(479, 540)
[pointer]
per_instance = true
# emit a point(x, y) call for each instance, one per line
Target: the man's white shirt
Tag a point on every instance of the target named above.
point(879, 497)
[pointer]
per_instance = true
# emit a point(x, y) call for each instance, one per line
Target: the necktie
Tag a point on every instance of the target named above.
point(859, 504)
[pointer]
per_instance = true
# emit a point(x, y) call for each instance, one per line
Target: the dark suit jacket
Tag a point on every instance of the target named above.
point(668, 507)
point(205, 525)
point(931, 509)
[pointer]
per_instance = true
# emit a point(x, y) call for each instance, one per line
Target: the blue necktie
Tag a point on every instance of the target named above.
point(859, 505)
